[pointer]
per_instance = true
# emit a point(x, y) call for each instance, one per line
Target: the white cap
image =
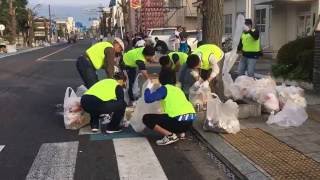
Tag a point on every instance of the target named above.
point(118, 40)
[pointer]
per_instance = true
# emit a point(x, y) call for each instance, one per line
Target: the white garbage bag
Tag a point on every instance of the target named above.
point(291, 115)
point(143, 108)
point(74, 115)
point(292, 93)
point(225, 115)
point(230, 58)
point(200, 93)
point(136, 89)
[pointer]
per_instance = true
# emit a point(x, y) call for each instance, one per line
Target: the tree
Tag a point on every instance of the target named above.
point(125, 6)
point(212, 29)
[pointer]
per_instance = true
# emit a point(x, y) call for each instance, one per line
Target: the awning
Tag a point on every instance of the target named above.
point(266, 2)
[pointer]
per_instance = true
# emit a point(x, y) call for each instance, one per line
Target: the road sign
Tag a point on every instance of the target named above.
point(2, 27)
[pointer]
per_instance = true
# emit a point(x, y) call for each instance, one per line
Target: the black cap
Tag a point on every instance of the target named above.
point(248, 21)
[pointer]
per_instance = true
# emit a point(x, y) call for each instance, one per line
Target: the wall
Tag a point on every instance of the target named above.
point(278, 28)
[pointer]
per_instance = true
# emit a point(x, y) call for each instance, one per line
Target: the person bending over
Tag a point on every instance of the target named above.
point(106, 97)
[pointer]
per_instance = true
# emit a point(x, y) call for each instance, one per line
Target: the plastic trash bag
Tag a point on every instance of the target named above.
point(74, 115)
point(223, 115)
point(136, 89)
point(143, 108)
point(292, 93)
point(230, 90)
point(199, 93)
point(291, 115)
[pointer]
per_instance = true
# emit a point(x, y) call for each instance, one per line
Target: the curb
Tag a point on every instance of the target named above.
point(239, 165)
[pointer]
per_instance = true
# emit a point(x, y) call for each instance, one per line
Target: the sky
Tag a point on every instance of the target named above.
point(81, 10)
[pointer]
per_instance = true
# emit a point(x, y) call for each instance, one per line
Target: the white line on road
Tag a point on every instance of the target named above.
point(136, 160)
point(62, 49)
point(1, 147)
point(54, 161)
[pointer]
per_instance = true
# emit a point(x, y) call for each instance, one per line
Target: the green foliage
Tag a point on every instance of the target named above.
point(288, 54)
point(301, 70)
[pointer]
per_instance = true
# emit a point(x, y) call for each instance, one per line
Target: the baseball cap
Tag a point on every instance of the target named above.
point(118, 40)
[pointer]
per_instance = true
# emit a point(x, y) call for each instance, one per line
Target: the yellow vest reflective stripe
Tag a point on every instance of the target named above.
point(207, 50)
point(104, 90)
point(182, 58)
point(249, 44)
point(176, 104)
point(132, 56)
point(96, 53)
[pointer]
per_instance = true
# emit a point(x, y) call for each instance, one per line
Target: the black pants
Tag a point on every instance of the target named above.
point(87, 71)
point(132, 73)
point(166, 122)
point(95, 107)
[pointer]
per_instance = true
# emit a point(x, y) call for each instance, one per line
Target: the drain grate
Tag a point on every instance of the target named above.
point(274, 156)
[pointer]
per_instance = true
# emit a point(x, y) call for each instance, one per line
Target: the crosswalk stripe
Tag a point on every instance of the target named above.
point(136, 160)
point(54, 161)
point(1, 147)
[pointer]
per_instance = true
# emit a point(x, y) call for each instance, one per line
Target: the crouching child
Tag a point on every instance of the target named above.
point(179, 113)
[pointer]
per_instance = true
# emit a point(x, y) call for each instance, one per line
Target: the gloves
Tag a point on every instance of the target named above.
point(205, 84)
point(149, 84)
point(197, 84)
point(246, 28)
point(194, 73)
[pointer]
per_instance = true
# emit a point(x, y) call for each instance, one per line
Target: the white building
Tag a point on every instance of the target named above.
point(279, 21)
point(70, 24)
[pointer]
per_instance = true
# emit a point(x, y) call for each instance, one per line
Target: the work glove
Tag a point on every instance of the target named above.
point(149, 84)
point(205, 84)
point(195, 74)
point(197, 84)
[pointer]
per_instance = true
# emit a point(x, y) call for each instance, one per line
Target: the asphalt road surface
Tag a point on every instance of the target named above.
point(35, 145)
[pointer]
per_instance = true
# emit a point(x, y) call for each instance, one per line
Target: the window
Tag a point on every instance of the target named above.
point(228, 24)
point(261, 19)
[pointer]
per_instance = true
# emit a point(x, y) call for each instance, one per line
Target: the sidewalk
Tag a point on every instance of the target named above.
point(260, 151)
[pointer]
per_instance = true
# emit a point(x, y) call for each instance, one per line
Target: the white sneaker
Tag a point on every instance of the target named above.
point(166, 140)
point(182, 135)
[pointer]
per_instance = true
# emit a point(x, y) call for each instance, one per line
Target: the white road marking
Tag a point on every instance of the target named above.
point(62, 49)
point(54, 161)
point(136, 160)
point(1, 147)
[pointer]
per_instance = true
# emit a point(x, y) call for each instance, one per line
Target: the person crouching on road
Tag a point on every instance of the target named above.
point(99, 56)
point(173, 60)
point(178, 111)
point(204, 62)
point(106, 97)
point(137, 58)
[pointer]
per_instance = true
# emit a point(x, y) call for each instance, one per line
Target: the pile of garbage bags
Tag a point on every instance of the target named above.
point(285, 103)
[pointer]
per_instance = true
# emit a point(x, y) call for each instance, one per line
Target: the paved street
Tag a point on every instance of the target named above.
point(35, 145)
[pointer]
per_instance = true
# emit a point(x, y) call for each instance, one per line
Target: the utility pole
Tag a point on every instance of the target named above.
point(50, 28)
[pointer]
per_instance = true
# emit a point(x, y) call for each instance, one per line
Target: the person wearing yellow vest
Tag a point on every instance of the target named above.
point(106, 97)
point(101, 55)
point(137, 59)
point(173, 60)
point(179, 113)
point(251, 49)
point(204, 62)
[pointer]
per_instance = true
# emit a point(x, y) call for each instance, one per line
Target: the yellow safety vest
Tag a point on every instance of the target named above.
point(104, 90)
point(132, 56)
point(96, 54)
point(176, 104)
point(207, 50)
point(249, 44)
point(182, 58)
